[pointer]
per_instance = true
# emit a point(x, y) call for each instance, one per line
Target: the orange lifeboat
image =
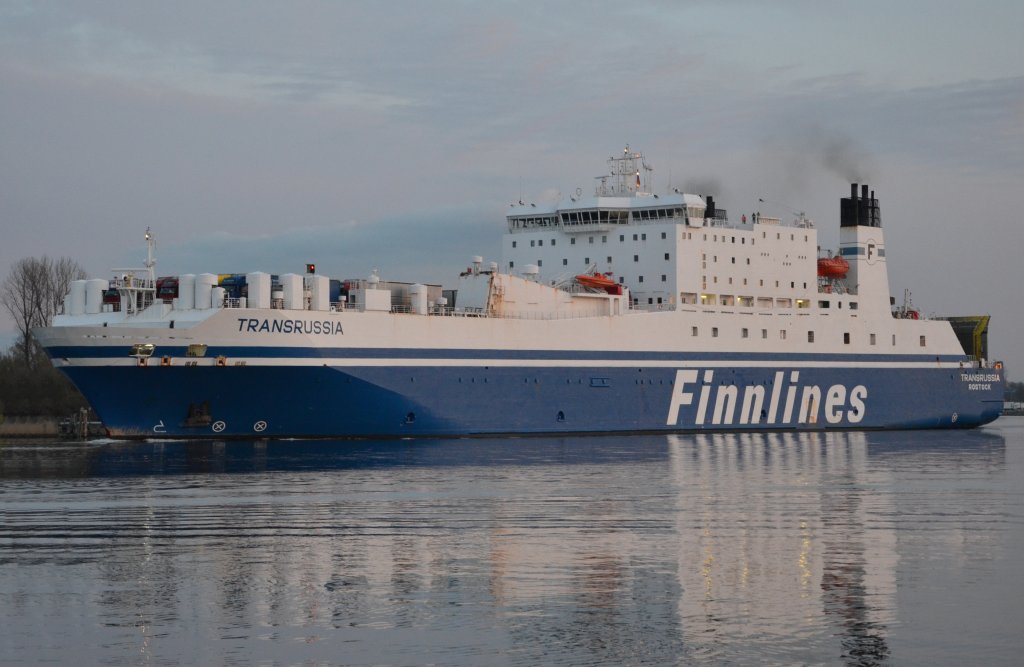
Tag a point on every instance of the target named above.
point(599, 281)
point(833, 267)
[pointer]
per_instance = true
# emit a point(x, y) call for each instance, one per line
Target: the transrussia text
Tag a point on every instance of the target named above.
point(718, 405)
point(275, 325)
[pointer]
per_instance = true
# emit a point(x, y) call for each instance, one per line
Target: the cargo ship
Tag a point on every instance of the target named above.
point(621, 311)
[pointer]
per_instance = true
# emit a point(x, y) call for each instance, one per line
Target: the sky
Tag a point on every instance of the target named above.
point(394, 135)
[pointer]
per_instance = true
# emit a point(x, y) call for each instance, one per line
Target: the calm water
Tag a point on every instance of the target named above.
point(861, 549)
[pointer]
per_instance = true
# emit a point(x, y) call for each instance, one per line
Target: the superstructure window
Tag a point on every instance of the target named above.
point(745, 333)
point(693, 331)
point(714, 332)
point(922, 341)
point(666, 256)
point(810, 336)
point(872, 339)
point(846, 339)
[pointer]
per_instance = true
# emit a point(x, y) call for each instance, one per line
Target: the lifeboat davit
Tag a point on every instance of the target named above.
point(599, 281)
point(833, 267)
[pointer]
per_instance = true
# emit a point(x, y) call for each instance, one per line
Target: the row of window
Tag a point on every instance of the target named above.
point(745, 333)
point(714, 280)
point(707, 299)
point(597, 216)
point(604, 239)
point(664, 235)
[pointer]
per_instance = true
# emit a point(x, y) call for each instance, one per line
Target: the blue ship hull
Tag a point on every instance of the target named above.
point(316, 401)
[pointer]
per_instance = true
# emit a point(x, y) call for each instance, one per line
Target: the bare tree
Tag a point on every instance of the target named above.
point(33, 292)
point(62, 272)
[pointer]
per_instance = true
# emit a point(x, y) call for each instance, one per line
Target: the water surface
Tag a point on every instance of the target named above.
point(899, 548)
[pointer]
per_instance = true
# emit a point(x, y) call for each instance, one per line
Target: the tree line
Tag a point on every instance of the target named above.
point(32, 293)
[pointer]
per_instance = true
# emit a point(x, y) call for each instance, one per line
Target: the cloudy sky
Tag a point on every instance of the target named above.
point(257, 135)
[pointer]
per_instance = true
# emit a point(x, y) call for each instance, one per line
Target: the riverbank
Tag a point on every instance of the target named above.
point(28, 427)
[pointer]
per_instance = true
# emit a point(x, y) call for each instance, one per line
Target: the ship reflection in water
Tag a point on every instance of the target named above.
point(745, 549)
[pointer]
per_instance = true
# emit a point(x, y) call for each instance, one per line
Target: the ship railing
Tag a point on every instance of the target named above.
point(232, 302)
point(542, 315)
point(132, 282)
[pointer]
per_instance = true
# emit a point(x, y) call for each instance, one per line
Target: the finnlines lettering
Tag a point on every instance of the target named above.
point(313, 327)
point(720, 404)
